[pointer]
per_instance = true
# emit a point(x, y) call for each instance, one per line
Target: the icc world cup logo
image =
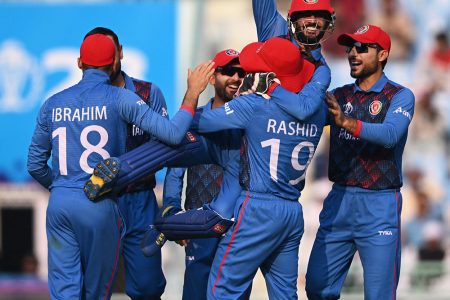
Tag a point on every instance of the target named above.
point(21, 81)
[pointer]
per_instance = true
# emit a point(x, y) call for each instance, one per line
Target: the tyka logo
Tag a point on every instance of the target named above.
point(385, 232)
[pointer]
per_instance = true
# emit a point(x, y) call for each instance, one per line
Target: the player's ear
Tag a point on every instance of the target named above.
point(120, 52)
point(79, 63)
point(212, 80)
point(383, 55)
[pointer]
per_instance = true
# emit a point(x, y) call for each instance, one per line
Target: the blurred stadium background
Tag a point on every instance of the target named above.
point(39, 42)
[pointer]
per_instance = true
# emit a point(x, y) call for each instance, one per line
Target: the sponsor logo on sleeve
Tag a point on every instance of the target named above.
point(400, 110)
point(228, 109)
point(164, 112)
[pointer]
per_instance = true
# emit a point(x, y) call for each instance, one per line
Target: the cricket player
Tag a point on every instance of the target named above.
point(308, 24)
point(277, 149)
point(369, 127)
point(204, 182)
point(78, 127)
point(144, 278)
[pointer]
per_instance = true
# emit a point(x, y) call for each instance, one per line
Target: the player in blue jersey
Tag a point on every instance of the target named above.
point(144, 278)
point(369, 127)
point(78, 127)
point(204, 181)
point(308, 23)
point(277, 149)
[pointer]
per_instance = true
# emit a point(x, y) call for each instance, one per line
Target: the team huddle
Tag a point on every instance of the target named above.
point(245, 152)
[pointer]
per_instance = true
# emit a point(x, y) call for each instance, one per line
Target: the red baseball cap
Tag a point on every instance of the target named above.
point(367, 34)
point(97, 50)
point(307, 5)
point(280, 56)
point(224, 57)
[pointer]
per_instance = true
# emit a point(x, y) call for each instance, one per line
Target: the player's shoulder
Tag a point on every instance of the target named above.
point(141, 82)
point(63, 95)
point(401, 88)
point(155, 90)
point(340, 89)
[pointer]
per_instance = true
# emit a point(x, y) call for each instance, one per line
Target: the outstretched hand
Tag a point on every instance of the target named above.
point(335, 109)
point(197, 82)
point(198, 78)
point(340, 119)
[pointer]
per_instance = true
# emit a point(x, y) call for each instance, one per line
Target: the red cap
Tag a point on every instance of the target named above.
point(97, 50)
point(367, 34)
point(224, 57)
point(308, 5)
point(281, 57)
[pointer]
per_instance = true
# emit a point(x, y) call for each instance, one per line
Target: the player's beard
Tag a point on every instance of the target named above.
point(313, 36)
point(117, 71)
point(366, 70)
point(222, 92)
point(309, 39)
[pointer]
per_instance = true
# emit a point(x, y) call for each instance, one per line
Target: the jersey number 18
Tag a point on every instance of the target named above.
point(62, 147)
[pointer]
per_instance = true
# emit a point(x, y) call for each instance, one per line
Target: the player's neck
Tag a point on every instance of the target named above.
point(217, 102)
point(119, 81)
point(368, 82)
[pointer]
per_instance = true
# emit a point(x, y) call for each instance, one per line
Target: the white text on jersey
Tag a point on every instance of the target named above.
point(228, 110)
point(66, 114)
point(291, 128)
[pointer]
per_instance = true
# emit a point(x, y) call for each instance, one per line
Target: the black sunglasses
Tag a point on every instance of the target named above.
point(230, 71)
point(362, 48)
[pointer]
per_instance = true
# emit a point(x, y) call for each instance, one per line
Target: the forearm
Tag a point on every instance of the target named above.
point(173, 187)
point(41, 175)
point(38, 155)
point(269, 22)
point(310, 98)
point(170, 132)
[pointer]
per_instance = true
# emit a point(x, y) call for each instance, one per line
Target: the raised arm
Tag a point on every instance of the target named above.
point(309, 99)
point(232, 115)
point(173, 131)
point(269, 22)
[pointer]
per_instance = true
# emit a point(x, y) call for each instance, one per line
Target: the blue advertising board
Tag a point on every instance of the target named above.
point(39, 46)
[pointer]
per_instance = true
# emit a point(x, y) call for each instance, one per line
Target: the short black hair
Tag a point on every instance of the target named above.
point(105, 31)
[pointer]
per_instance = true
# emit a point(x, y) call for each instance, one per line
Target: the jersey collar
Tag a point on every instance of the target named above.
point(376, 88)
point(95, 74)
point(129, 85)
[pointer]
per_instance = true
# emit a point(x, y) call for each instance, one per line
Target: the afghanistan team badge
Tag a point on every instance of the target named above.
point(375, 107)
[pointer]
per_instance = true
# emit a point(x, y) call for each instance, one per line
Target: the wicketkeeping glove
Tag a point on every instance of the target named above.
point(260, 83)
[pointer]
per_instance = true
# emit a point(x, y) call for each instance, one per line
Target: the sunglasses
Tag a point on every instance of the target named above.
point(230, 71)
point(362, 48)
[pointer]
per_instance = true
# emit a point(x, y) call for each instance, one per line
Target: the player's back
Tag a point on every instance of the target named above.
point(278, 149)
point(85, 127)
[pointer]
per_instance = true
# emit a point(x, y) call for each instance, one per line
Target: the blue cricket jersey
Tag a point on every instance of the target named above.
point(276, 149)
point(373, 159)
point(151, 94)
point(87, 123)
